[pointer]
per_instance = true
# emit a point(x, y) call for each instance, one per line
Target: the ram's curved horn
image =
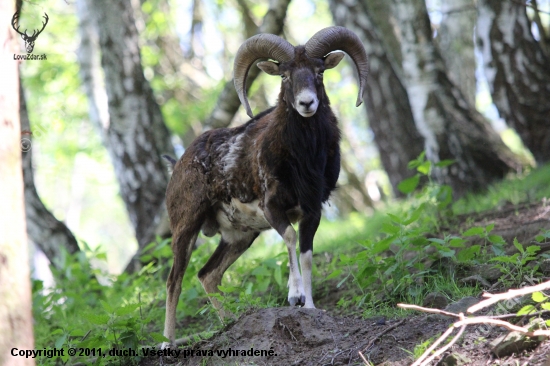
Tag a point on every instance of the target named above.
point(339, 38)
point(260, 46)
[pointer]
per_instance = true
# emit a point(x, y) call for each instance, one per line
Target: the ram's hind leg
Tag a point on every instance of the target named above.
point(182, 253)
point(182, 246)
point(232, 245)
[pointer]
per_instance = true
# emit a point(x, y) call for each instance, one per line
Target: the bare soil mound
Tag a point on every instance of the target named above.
point(309, 337)
point(295, 336)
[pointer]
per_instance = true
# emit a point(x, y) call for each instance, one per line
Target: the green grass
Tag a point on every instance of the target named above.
point(530, 187)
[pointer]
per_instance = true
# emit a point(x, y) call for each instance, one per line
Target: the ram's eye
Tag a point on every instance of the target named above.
point(284, 77)
point(320, 74)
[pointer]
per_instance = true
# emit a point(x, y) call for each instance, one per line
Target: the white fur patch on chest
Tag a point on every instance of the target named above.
point(242, 216)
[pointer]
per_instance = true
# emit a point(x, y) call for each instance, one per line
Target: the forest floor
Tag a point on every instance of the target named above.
point(326, 337)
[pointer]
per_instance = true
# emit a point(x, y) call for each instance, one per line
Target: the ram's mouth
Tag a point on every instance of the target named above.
point(307, 114)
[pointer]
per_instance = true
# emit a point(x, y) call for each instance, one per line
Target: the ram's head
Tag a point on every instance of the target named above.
point(301, 68)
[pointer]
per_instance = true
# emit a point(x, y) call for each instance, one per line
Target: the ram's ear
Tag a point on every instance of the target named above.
point(269, 67)
point(333, 59)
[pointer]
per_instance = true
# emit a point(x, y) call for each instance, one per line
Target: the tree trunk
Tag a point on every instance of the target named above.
point(452, 128)
point(228, 101)
point(518, 72)
point(387, 104)
point(135, 134)
point(250, 27)
point(174, 64)
point(89, 60)
point(15, 288)
point(48, 233)
point(455, 40)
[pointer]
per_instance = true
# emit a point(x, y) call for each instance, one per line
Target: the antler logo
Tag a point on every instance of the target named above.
point(29, 40)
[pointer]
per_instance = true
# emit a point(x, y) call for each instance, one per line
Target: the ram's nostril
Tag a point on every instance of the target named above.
point(306, 104)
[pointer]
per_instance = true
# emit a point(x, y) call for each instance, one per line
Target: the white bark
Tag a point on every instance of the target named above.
point(228, 101)
point(135, 134)
point(517, 70)
point(88, 54)
point(15, 290)
point(420, 68)
point(456, 43)
point(387, 104)
point(451, 127)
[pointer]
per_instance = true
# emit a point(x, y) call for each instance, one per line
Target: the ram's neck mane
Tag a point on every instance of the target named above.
point(306, 140)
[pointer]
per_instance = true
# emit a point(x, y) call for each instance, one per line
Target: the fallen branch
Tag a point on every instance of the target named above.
point(443, 312)
point(447, 346)
point(508, 295)
point(536, 313)
point(389, 329)
point(431, 348)
point(287, 328)
point(502, 323)
point(364, 359)
point(427, 310)
point(187, 340)
point(463, 322)
point(443, 349)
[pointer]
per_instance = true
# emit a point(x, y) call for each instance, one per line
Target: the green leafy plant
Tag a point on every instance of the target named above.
point(515, 267)
point(87, 308)
point(542, 303)
point(266, 278)
point(395, 263)
point(395, 266)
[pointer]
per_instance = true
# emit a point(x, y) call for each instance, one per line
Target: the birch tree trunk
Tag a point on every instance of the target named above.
point(135, 134)
point(89, 60)
point(15, 288)
point(178, 66)
point(455, 40)
point(451, 127)
point(387, 104)
point(518, 72)
point(48, 233)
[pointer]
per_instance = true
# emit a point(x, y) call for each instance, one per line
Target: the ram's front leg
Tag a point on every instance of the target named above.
point(296, 293)
point(278, 219)
point(308, 227)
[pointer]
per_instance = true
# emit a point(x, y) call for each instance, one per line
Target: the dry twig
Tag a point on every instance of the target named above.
point(502, 323)
point(287, 328)
point(463, 322)
point(432, 347)
point(444, 348)
point(364, 359)
point(389, 329)
point(427, 310)
point(448, 345)
point(508, 295)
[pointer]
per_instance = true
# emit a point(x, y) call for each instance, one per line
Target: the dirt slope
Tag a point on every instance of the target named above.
point(291, 336)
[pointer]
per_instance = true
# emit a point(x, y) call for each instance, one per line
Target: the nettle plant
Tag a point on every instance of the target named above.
point(114, 312)
point(395, 263)
point(541, 302)
point(523, 264)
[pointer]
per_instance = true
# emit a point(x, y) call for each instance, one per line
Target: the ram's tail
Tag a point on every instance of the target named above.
point(170, 159)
